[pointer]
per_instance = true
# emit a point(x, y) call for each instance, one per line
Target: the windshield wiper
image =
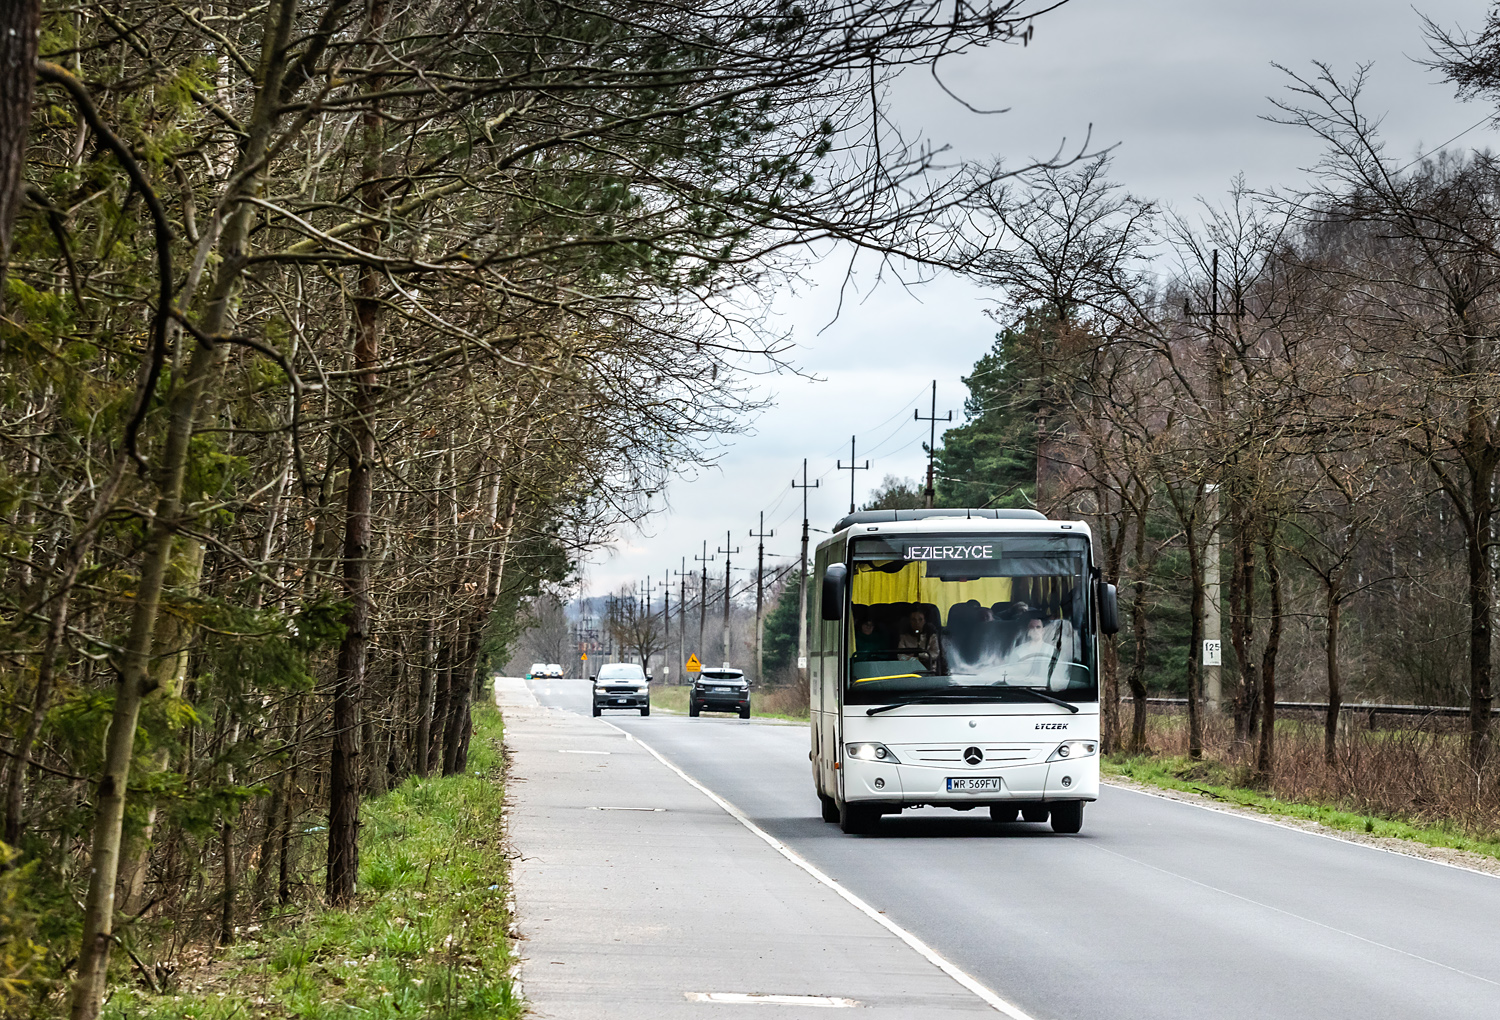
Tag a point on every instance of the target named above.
point(937, 699)
point(1046, 697)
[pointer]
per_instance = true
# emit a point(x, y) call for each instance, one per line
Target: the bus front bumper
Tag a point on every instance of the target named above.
point(910, 785)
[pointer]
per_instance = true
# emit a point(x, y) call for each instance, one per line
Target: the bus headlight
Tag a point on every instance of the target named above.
point(870, 751)
point(1074, 749)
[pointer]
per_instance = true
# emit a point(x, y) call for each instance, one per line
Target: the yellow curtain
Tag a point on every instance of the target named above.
point(911, 584)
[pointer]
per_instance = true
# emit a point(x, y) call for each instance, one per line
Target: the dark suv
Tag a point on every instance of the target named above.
point(622, 685)
point(720, 689)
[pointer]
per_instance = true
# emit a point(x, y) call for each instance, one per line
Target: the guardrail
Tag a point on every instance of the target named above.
point(1362, 707)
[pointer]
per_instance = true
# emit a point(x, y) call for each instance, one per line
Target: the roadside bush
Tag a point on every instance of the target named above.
point(1414, 770)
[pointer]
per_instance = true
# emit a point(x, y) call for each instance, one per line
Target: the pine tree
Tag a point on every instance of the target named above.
point(990, 460)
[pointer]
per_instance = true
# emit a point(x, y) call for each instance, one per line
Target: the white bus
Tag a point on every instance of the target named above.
point(953, 658)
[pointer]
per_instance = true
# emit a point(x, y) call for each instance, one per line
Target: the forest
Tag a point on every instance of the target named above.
point(332, 334)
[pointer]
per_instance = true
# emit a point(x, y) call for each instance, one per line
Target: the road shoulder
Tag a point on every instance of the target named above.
point(1452, 857)
point(638, 896)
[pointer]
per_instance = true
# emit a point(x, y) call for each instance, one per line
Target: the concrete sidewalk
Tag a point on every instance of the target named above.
point(638, 896)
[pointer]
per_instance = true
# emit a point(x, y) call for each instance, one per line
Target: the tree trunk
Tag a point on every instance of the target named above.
point(226, 841)
point(440, 706)
point(1114, 553)
point(20, 23)
point(424, 702)
point(284, 849)
point(344, 759)
point(1331, 647)
point(133, 681)
point(1139, 630)
point(1265, 760)
point(457, 725)
point(1242, 625)
point(1195, 646)
point(174, 635)
point(344, 772)
point(1481, 599)
point(270, 838)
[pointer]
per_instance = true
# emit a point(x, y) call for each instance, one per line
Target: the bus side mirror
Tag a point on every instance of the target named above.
point(1109, 609)
point(833, 591)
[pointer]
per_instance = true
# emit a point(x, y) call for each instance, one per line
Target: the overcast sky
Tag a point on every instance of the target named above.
point(1181, 86)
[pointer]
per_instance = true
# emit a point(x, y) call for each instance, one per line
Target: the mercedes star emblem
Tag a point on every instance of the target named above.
point(973, 755)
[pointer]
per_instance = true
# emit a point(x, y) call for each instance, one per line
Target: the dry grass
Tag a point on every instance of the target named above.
point(785, 701)
point(1418, 772)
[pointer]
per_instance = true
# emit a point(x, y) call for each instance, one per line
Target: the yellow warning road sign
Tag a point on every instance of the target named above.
point(693, 665)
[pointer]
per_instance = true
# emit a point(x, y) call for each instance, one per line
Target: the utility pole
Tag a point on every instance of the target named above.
point(727, 553)
point(666, 622)
point(1212, 651)
point(760, 583)
point(645, 630)
point(929, 495)
point(851, 468)
point(705, 559)
point(682, 576)
point(802, 595)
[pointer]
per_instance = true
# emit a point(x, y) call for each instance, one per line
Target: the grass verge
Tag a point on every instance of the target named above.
point(426, 939)
point(1222, 783)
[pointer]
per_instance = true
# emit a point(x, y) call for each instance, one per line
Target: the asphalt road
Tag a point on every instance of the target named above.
point(1157, 910)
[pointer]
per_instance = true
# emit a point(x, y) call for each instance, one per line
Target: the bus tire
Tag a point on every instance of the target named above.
point(1034, 813)
point(1067, 816)
point(1003, 812)
point(830, 808)
point(855, 819)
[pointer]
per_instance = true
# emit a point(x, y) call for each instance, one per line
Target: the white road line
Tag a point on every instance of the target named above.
point(1265, 820)
point(923, 949)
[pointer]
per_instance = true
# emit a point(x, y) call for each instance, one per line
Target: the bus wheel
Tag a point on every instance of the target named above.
point(855, 819)
point(1067, 816)
point(830, 808)
point(1034, 813)
point(1002, 813)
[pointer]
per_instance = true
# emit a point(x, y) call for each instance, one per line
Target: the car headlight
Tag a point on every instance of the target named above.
point(1074, 749)
point(871, 751)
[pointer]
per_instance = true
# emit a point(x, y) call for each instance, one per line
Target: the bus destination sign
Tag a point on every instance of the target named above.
point(951, 552)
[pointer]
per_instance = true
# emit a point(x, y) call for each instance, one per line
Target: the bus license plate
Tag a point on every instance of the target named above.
point(973, 784)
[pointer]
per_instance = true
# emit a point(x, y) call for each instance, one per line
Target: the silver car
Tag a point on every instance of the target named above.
point(622, 685)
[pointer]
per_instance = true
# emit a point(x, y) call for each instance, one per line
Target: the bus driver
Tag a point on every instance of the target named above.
point(917, 637)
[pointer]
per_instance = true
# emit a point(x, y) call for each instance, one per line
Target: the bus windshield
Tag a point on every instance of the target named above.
point(970, 617)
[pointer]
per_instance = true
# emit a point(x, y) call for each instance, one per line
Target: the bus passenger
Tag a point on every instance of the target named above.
point(870, 638)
